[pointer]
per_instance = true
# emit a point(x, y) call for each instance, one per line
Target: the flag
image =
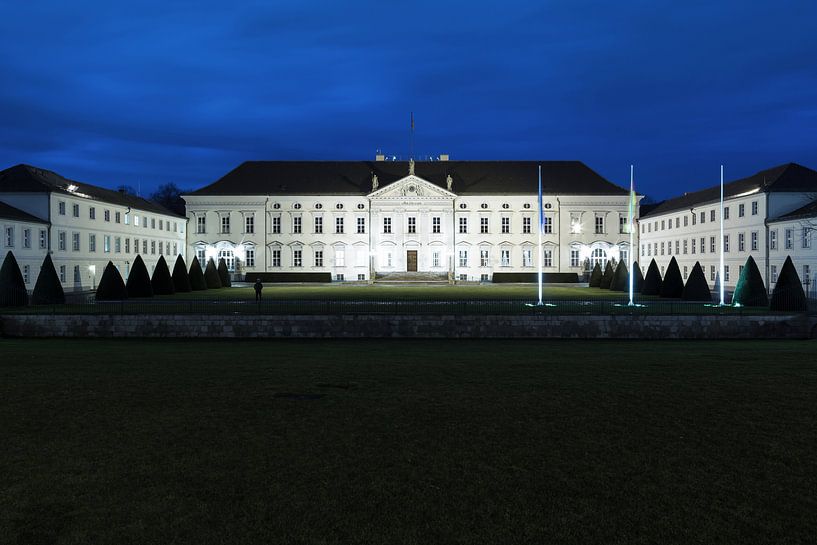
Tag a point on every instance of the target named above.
point(633, 204)
point(541, 211)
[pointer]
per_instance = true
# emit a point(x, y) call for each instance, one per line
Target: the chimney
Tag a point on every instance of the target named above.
point(443, 157)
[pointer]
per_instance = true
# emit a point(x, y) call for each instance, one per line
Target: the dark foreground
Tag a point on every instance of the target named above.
point(412, 442)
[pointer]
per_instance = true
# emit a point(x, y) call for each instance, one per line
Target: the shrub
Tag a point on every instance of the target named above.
point(161, 282)
point(48, 289)
point(750, 290)
point(607, 277)
point(620, 278)
point(197, 282)
point(211, 276)
point(139, 280)
point(181, 280)
point(697, 289)
point(788, 293)
point(652, 282)
point(673, 284)
point(223, 273)
point(501, 278)
point(638, 279)
point(111, 286)
point(595, 276)
point(13, 291)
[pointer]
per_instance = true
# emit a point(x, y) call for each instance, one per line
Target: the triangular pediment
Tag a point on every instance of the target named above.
point(411, 187)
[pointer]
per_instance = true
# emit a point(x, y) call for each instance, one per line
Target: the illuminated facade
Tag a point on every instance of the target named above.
point(463, 220)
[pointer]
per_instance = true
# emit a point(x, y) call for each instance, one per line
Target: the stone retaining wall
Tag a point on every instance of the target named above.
point(356, 326)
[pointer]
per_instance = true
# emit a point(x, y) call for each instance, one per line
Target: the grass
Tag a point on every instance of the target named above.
point(412, 442)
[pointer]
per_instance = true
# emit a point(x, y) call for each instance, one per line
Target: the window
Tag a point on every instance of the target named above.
point(435, 224)
point(136, 220)
point(669, 248)
point(694, 217)
point(249, 257)
point(787, 241)
point(106, 244)
point(703, 245)
point(412, 225)
point(773, 239)
point(145, 221)
point(61, 241)
point(773, 273)
point(726, 273)
point(712, 273)
point(319, 258)
point(62, 273)
point(297, 258)
point(741, 210)
point(26, 238)
point(686, 221)
point(712, 215)
point(483, 278)
point(599, 225)
point(642, 251)
point(75, 210)
point(506, 225)
point(145, 250)
point(463, 278)
point(276, 225)
point(127, 245)
point(200, 224)
point(61, 208)
point(526, 226)
point(686, 272)
point(547, 224)
point(340, 257)
point(483, 258)
point(692, 248)
point(92, 213)
point(339, 226)
point(386, 225)
point(361, 277)
point(547, 257)
point(117, 245)
point(505, 258)
point(754, 241)
point(725, 212)
point(754, 208)
point(806, 237)
point(435, 259)
point(685, 246)
point(662, 247)
point(483, 225)
point(574, 258)
point(249, 225)
point(703, 217)
point(741, 242)
point(388, 260)
point(625, 254)
point(161, 224)
point(75, 242)
point(725, 243)
point(225, 224)
point(622, 224)
point(318, 225)
point(527, 259)
point(712, 245)
point(276, 258)
point(463, 225)
point(107, 215)
point(117, 217)
point(9, 237)
point(361, 226)
point(463, 258)
point(153, 222)
point(136, 247)
point(153, 247)
point(296, 225)
point(26, 273)
point(740, 270)
point(340, 277)
point(678, 223)
point(662, 225)
point(127, 220)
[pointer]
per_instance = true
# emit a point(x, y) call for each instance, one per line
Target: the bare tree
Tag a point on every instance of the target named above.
point(170, 196)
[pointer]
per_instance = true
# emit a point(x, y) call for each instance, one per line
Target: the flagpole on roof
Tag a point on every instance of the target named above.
point(632, 225)
point(541, 227)
point(722, 267)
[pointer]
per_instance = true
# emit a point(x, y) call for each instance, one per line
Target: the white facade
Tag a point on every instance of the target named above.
point(27, 240)
point(794, 237)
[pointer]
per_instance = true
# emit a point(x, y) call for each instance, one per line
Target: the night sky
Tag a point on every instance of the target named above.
point(143, 93)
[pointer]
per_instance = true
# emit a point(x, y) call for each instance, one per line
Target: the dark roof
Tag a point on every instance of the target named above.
point(807, 211)
point(355, 177)
point(8, 212)
point(790, 177)
point(29, 179)
point(646, 208)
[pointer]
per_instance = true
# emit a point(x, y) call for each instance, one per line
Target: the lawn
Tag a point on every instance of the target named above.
point(412, 442)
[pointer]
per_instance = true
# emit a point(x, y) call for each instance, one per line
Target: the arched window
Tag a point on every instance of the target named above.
point(229, 259)
point(598, 256)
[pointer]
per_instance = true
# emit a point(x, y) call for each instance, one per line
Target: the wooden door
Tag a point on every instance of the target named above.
point(411, 260)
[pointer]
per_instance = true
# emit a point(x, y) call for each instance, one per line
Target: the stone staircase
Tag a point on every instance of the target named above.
point(403, 277)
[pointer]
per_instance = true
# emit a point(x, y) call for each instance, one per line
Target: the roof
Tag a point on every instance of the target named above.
point(355, 177)
point(30, 179)
point(8, 212)
point(789, 177)
point(807, 211)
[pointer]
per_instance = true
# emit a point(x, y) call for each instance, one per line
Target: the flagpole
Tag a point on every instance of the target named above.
point(722, 267)
point(632, 222)
point(541, 227)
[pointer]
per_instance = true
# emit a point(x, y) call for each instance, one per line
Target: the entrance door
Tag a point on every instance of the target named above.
point(411, 260)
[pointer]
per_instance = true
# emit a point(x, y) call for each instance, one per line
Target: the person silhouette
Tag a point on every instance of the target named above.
point(258, 287)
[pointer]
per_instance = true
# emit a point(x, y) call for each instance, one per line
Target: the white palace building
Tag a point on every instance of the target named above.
point(356, 220)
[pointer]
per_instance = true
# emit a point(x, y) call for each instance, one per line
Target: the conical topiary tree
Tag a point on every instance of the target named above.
point(13, 291)
point(788, 293)
point(607, 277)
point(595, 276)
point(696, 288)
point(638, 279)
point(181, 280)
point(653, 281)
point(197, 282)
point(223, 274)
point(620, 278)
point(48, 289)
point(673, 284)
point(211, 275)
point(138, 283)
point(750, 290)
point(111, 286)
point(162, 283)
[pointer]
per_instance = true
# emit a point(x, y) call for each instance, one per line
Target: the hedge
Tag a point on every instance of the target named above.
point(697, 289)
point(13, 291)
point(595, 276)
point(111, 286)
point(607, 277)
point(162, 282)
point(289, 277)
point(788, 293)
point(620, 278)
point(48, 289)
point(223, 274)
point(652, 282)
point(638, 279)
point(750, 290)
point(138, 283)
point(211, 276)
point(197, 282)
point(533, 277)
point(673, 284)
point(181, 280)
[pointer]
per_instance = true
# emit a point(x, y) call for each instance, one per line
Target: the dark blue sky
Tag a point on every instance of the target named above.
point(150, 92)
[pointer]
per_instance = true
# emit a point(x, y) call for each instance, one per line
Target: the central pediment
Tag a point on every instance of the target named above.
point(411, 187)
